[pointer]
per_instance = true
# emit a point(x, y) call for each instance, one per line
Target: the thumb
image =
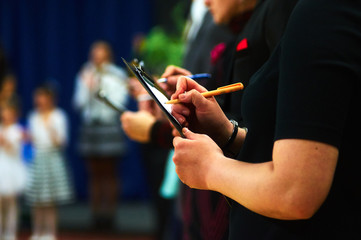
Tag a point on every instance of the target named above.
point(189, 134)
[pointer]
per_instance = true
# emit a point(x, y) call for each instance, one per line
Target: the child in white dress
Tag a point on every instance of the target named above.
point(12, 170)
point(49, 184)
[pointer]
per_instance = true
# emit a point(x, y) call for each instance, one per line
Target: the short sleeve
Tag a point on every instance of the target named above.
point(319, 70)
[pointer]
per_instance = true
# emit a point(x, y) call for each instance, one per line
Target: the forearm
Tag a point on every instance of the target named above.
point(242, 182)
point(292, 185)
point(57, 141)
point(82, 94)
point(256, 187)
point(9, 147)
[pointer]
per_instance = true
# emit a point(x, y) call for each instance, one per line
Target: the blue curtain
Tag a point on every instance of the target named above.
point(50, 40)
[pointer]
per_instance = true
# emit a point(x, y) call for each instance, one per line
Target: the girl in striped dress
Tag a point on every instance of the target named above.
point(49, 184)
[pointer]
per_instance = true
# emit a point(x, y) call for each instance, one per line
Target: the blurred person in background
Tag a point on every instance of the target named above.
point(201, 37)
point(101, 142)
point(49, 183)
point(252, 48)
point(12, 170)
point(8, 90)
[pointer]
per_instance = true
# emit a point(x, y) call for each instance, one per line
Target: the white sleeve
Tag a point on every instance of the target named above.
point(81, 94)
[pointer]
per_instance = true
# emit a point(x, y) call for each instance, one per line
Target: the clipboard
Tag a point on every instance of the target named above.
point(156, 92)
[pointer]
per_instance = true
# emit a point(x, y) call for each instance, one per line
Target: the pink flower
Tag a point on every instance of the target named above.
point(217, 52)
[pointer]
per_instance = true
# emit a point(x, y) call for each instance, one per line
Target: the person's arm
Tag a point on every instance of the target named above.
point(204, 115)
point(58, 129)
point(85, 85)
point(12, 143)
point(291, 186)
point(143, 127)
point(6, 145)
point(81, 94)
point(137, 125)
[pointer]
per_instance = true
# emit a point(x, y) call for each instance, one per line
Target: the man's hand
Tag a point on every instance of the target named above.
point(194, 157)
point(172, 73)
point(200, 114)
point(138, 125)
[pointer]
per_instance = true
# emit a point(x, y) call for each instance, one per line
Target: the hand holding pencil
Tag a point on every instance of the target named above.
point(202, 114)
point(218, 91)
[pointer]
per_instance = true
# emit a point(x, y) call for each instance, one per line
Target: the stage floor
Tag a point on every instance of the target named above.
point(133, 221)
point(91, 236)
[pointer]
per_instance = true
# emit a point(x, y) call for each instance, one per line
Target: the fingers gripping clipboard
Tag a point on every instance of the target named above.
point(156, 92)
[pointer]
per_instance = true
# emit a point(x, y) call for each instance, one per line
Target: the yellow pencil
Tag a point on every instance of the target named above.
point(218, 91)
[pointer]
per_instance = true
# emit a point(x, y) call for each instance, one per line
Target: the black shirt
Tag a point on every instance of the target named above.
point(309, 89)
point(197, 58)
point(253, 47)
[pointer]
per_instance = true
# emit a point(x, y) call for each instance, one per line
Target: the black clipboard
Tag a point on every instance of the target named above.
point(156, 92)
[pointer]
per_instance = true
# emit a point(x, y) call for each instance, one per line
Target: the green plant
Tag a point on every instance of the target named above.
point(162, 48)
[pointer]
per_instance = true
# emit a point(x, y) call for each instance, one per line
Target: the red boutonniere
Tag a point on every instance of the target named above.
point(243, 44)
